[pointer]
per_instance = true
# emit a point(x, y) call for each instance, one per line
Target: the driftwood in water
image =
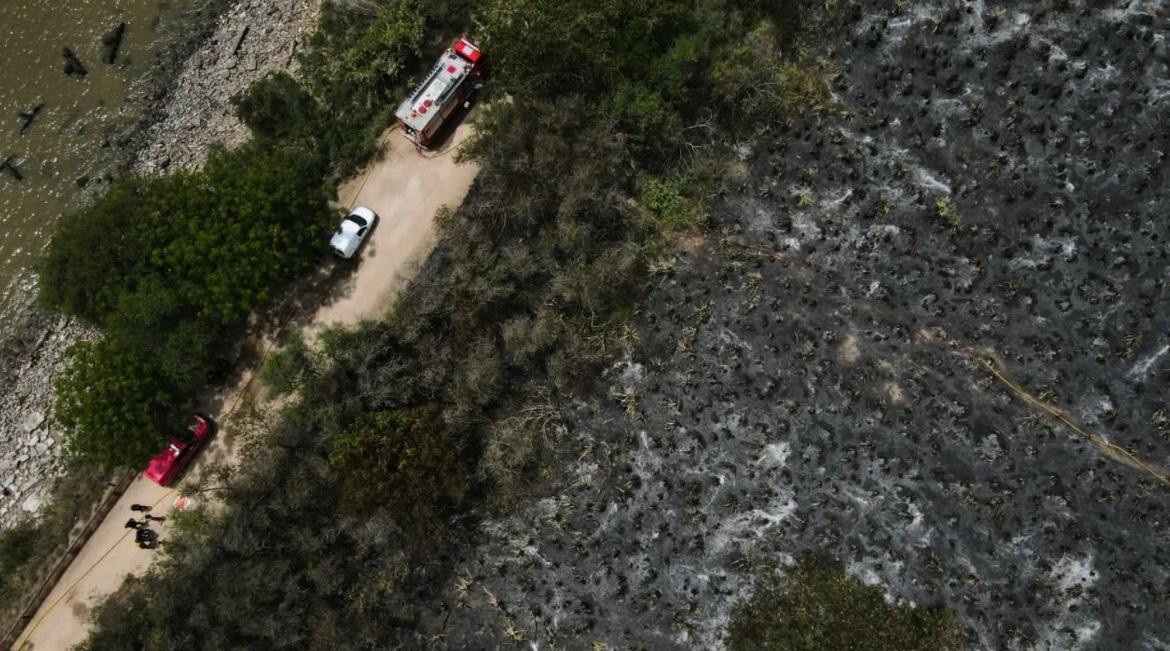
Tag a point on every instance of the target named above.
point(73, 65)
point(112, 42)
point(27, 117)
point(240, 39)
point(10, 167)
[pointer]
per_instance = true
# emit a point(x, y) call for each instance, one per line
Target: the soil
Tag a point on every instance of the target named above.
point(812, 377)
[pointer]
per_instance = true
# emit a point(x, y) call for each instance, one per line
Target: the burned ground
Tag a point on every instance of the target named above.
point(990, 184)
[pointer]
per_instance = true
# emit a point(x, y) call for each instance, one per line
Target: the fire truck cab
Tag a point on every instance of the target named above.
point(445, 89)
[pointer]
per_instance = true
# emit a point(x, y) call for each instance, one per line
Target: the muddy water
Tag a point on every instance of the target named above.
point(67, 141)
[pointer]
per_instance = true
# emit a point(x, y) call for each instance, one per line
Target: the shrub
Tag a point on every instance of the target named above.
point(17, 547)
point(277, 107)
point(819, 607)
point(403, 461)
point(186, 258)
point(753, 83)
point(290, 367)
point(87, 261)
point(112, 402)
point(666, 200)
point(647, 59)
point(355, 67)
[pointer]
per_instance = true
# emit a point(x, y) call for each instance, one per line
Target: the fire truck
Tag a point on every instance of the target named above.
point(446, 88)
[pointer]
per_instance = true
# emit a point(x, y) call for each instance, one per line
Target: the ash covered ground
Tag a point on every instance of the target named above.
point(992, 180)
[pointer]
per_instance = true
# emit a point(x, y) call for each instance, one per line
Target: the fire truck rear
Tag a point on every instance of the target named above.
point(445, 89)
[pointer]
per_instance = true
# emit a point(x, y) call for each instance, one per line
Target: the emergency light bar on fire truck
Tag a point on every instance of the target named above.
point(446, 88)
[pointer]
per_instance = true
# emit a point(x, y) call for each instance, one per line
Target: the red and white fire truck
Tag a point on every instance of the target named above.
point(445, 89)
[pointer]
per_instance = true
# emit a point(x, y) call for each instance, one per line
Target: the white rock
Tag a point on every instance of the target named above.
point(32, 504)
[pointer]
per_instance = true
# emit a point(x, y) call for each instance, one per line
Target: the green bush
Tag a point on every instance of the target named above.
point(290, 367)
point(17, 547)
point(84, 267)
point(817, 606)
point(277, 107)
point(219, 239)
point(356, 66)
point(668, 204)
point(402, 460)
point(113, 403)
point(648, 59)
point(752, 83)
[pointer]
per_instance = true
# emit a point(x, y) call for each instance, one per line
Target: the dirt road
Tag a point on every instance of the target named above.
point(405, 189)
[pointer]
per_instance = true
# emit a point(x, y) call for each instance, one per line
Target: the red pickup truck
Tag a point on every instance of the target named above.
point(171, 460)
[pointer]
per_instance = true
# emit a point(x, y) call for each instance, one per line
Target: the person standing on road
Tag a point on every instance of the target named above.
point(134, 524)
point(141, 508)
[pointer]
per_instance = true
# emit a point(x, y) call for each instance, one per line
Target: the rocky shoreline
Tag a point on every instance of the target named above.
point(183, 108)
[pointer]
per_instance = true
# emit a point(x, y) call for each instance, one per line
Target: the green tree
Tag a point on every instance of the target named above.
point(17, 547)
point(820, 607)
point(90, 258)
point(277, 107)
point(290, 367)
point(755, 86)
point(355, 67)
point(646, 58)
point(404, 461)
point(379, 56)
point(256, 218)
point(112, 403)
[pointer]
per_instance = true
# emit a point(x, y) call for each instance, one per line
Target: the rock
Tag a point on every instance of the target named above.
point(32, 504)
point(33, 421)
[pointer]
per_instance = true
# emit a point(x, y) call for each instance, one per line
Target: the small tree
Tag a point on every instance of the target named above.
point(763, 87)
point(112, 402)
point(277, 107)
point(17, 547)
point(404, 461)
point(290, 367)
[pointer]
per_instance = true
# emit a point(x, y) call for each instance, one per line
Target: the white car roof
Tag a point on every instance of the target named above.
point(365, 213)
point(344, 243)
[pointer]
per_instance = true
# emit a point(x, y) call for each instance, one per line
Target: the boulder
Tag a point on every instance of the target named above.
point(34, 420)
point(32, 504)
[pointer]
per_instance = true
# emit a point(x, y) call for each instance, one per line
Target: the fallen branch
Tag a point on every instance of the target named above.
point(28, 116)
point(10, 167)
point(112, 42)
point(73, 65)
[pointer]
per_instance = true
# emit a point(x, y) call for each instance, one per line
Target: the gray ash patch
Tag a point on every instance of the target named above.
point(995, 181)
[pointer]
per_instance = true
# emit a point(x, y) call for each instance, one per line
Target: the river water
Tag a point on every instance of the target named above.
point(66, 145)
